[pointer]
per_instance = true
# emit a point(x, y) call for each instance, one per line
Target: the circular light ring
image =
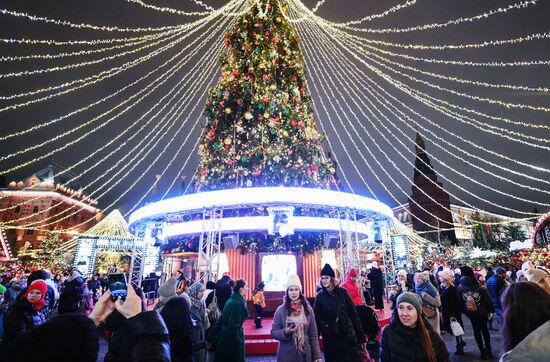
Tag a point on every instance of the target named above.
point(259, 196)
point(261, 224)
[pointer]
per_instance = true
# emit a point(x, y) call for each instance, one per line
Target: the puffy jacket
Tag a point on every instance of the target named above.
point(533, 348)
point(403, 344)
point(20, 318)
point(351, 287)
point(495, 287)
point(143, 337)
point(49, 300)
point(469, 286)
point(330, 305)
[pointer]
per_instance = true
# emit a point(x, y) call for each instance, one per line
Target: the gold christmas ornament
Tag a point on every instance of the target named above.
point(228, 110)
point(248, 116)
point(227, 140)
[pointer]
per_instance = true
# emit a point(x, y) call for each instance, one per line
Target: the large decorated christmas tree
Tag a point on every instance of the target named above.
point(261, 130)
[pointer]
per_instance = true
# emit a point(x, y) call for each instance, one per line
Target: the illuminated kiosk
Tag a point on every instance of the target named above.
point(346, 221)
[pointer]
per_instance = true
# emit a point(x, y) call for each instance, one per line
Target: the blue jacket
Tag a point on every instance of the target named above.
point(495, 286)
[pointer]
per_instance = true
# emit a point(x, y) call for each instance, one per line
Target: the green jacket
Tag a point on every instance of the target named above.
point(227, 334)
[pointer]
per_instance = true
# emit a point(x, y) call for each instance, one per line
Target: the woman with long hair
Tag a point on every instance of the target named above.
point(450, 307)
point(337, 320)
point(177, 318)
point(431, 300)
point(294, 326)
point(226, 337)
point(525, 323)
point(409, 337)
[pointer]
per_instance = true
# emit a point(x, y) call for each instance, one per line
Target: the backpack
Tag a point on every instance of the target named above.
point(471, 304)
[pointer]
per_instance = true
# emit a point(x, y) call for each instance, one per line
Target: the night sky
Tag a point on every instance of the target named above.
point(514, 24)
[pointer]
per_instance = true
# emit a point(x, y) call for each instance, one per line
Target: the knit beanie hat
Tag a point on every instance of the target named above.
point(402, 272)
point(294, 281)
point(500, 270)
point(2, 289)
point(327, 270)
point(42, 287)
point(352, 273)
point(535, 275)
point(411, 298)
point(77, 333)
point(38, 274)
point(168, 289)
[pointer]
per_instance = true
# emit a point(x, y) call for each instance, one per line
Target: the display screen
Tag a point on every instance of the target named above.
point(275, 271)
point(117, 285)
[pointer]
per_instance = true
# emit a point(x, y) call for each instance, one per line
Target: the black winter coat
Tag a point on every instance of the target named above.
point(376, 279)
point(74, 296)
point(450, 307)
point(20, 318)
point(403, 344)
point(141, 338)
point(469, 286)
point(347, 332)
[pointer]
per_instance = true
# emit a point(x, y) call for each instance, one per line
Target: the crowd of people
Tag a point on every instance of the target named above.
point(204, 322)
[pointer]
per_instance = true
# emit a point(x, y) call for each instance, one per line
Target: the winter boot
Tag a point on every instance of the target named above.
point(459, 349)
point(484, 355)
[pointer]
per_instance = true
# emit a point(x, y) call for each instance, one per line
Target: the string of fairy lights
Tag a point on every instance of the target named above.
point(376, 141)
point(345, 66)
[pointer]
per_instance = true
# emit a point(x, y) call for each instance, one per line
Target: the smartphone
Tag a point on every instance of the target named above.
point(117, 285)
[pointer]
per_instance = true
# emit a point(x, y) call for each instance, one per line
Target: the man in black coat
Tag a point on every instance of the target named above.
point(377, 284)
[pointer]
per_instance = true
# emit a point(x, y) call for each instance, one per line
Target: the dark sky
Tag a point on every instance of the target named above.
point(346, 87)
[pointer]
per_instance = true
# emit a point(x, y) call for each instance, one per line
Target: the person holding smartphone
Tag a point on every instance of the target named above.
point(294, 326)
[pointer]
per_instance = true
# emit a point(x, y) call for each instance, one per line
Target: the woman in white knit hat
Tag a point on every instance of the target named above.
point(294, 326)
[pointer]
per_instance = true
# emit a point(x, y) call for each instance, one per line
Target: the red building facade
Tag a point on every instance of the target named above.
point(33, 207)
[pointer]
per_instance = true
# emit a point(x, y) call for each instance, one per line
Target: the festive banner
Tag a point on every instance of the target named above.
point(242, 266)
point(312, 273)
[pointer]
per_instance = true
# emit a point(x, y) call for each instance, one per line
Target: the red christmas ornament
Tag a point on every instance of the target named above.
point(229, 162)
point(246, 47)
point(204, 172)
point(264, 99)
point(275, 40)
point(266, 76)
point(211, 133)
point(302, 124)
point(314, 168)
point(294, 123)
point(235, 73)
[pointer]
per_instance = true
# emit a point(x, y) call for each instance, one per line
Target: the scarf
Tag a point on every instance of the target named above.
point(193, 293)
point(298, 317)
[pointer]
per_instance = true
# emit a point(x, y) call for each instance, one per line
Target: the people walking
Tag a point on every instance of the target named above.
point(476, 304)
point(377, 284)
point(177, 317)
point(450, 308)
point(431, 300)
point(353, 287)
point(409, 337)
point(294, 327)
point(525, 323)
point(495, 286)
point(259, 303)
point(226, 337)
point(337, 320)
point(200, 320)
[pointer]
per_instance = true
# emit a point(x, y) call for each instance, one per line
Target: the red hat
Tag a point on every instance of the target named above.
point(42, 287)
point(352, 273)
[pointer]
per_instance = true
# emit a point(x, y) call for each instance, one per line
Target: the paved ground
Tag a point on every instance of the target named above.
point(471, 350)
